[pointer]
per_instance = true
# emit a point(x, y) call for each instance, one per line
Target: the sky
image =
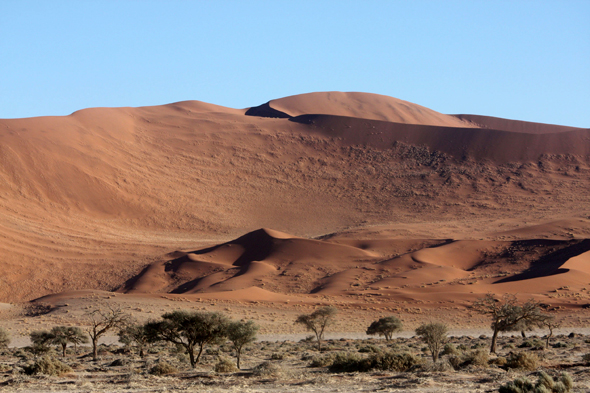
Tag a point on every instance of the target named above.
point(517, 59)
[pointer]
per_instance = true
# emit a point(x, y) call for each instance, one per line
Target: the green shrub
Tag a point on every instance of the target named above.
point(225, 365)
point(523, 361)
point(49, 366)
point(163, 368)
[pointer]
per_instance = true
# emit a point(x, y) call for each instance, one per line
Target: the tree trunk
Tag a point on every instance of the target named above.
point(94, 348)
point(200, 352)
point(493, 347)
point(548, 337)
point(238, 358)
point(191, 355)
point(523, 334)
point(63, 347)
point(141, 353)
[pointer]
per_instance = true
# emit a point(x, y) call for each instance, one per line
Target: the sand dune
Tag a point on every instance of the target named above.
point(358, 105)
point(102, 198)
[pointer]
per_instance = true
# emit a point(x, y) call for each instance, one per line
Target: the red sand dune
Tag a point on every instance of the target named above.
point(102, 197)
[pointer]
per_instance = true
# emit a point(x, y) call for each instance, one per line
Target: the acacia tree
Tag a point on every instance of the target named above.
point(318, 321)
point(434, 334)
point(133, 333)
point(4, 338)
point(189, 329)
point(41, 340)
point(240, 334)
point(385, 327)
point(507, 314)
point(101, 320)
point(64, 335)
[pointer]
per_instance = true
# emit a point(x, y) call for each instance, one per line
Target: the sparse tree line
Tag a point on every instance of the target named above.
point(194, 331)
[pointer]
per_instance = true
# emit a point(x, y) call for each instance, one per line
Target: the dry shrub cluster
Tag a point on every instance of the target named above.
point(163, 368)
point(545, 384)
point(384, 361)
point(48, 365)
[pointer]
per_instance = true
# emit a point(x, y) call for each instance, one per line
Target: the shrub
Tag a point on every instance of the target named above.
point(163, 368)
point(390, 361)
point(499, 361)
point(545, 384)
point(450, 349)
point(384, 361)
point(323, 361)
point(559, 345)
point(268, 369)
point(586, 358)
point(477, 358)
point(277, 356)
point(523, 361)
point(49, 366)
point(349, 362)
point(225, 365)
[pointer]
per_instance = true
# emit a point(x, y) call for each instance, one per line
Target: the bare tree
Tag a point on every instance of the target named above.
point(102, 319)
point(318, 321)
point(385, 327)
point(240, 334)
point(507, 314)
point(550, 323)
point(434, 334)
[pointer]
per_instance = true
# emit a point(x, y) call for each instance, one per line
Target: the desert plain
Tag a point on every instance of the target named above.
point(367, 203)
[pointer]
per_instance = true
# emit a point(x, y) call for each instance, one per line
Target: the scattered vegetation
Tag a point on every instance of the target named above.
point(101, 320)
point(240, 334)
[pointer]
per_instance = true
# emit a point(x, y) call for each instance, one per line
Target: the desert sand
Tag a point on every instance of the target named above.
point(372, 204)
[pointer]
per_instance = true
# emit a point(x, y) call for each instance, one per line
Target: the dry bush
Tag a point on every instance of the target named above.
point(268, 370)
point(384, 361)
point(323, 361)
point(225, 365)
point(522, 361)
point(545, 384)
point(586, 358)
point(163, 368)
point(48, 365)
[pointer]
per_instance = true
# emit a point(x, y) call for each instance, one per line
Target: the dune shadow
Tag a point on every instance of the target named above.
point(550, 264)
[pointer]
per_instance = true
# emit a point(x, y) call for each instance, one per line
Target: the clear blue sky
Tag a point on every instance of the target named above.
point(527, 60)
